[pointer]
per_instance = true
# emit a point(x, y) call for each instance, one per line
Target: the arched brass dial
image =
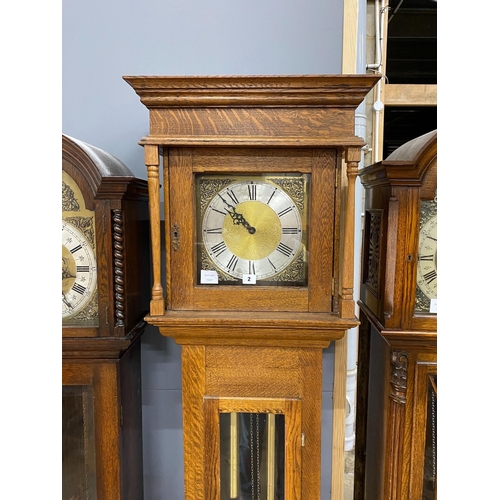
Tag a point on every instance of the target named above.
point(427, 258)
point(79, 272)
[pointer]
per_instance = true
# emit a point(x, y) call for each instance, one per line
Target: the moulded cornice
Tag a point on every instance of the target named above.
point(252, 91)
point(406, 166)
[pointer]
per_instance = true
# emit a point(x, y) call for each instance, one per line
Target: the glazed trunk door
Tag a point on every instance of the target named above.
point(90, 431)
point(253, 449)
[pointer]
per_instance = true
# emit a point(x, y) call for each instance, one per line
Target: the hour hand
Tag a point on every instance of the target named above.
point(65, 300)
point(238, 219)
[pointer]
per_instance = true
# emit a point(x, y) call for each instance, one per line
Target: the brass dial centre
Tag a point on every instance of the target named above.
point(252, 245)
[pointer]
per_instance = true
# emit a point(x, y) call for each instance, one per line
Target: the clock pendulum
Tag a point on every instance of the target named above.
point(251, 457)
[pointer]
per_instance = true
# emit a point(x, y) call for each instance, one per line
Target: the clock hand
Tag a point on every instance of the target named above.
point(66, 301)
point(66, 273)
point(238, 218)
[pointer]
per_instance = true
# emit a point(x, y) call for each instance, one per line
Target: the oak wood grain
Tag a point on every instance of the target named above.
point(247, 328)
point(182, 212)
point(321, 230)
point(193, 391)
point(251, 91)
point(410, 95)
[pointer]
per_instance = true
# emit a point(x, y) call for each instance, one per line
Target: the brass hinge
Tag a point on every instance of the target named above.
point(302, 440)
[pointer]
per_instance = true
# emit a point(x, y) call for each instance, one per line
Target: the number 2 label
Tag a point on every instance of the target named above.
point(249, 279)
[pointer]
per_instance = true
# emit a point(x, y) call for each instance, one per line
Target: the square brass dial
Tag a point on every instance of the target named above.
point(252, 229)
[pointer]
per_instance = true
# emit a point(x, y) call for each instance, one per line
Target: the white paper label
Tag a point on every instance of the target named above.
point(209, 277)
point(434, 306)
point(249, 279)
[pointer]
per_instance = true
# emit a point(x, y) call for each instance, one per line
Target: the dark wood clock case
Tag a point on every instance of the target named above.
point(101, 361)
point(397, 358)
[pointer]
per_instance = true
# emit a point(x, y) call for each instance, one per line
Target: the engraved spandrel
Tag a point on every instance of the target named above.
point(86, 226)
point(69, 201)
point(209, 188)
point(294, 187)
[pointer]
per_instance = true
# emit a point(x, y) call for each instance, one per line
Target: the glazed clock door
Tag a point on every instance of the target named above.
point(78, 443)
point(257, 448)
point(255, 224)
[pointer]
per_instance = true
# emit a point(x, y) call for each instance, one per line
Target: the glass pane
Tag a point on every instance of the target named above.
point(252, 456)
point(78, 446)
point(430, 463)
point(252, 229)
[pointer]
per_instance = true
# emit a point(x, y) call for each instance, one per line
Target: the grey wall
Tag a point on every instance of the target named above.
point(103, 40)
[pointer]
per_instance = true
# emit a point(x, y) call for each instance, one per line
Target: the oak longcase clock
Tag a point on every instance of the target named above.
point(396, 440)
point(105, 288)
point(258, 178)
